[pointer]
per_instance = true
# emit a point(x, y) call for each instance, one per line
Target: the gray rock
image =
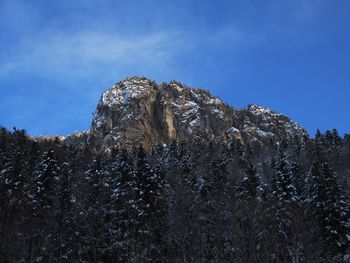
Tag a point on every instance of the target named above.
point(138, 111)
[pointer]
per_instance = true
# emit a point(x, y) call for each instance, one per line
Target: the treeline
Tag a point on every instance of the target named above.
point(202, 201)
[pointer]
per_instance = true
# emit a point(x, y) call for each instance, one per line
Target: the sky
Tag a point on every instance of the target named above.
point(58, 56)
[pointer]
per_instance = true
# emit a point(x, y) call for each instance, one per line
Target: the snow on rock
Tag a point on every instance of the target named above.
point(258, 110)
point(218, 113)
point(79, 134)
point(177, 86)
point(196, 96)
point(270, 118)
point(99, 120)
point(261, 133)
point(214, 101)
point(232, 130)
point(191, 109)
point(137, 110)
point(121, 93)
point(191, 115)
point(194, 123)
point(127, 117)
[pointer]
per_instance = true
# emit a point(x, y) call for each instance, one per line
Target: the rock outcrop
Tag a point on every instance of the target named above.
point(138, 111)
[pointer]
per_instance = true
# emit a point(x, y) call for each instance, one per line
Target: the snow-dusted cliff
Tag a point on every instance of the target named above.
point(138, 110)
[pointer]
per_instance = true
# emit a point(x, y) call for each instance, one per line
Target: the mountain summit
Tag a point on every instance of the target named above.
point(139, 111)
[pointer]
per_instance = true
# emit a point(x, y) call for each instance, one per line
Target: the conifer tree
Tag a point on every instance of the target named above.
point(42, 200)
point(250, 183)
point(66, 231)
point(94, 212)
point(123, 226)
point(150, 205)
point(284, 204)
point(329, 206)
point(249, 233)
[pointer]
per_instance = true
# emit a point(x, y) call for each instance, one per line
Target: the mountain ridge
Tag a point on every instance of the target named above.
point(137, 110)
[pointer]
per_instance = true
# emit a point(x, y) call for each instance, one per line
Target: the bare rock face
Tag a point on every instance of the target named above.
point(138, 111)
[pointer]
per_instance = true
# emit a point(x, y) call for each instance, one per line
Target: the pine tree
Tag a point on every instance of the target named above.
point(318, 151)
point(318, 136)
point(45, 177)
point(95, 212)
point(285, 203)
point(42, 199)
point(250, 183)
point(328, 205)
point(189, 162)
point(123, 226)
point(215, 180)
point(249, 233)
point(65, 231)
point(7, 200)
point(211, 202)
point(150, 205)
point(297, 178)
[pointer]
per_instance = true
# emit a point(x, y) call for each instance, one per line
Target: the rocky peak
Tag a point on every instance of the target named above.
point(121, 94)
point(137, 110)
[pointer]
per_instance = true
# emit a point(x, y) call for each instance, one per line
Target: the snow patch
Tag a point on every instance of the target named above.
point(196, 96)
point(177, 87)
point(214, 101)
point(261, 133)
point(219, 113)
point(126, 117)
point(232, 130)
point(191, 109)
point(194, 123)
point(121, 94)
point(258, 110)
point(189, 112)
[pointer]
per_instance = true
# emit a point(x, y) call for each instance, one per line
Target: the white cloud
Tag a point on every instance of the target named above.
point(66, 56)
point(81, 53)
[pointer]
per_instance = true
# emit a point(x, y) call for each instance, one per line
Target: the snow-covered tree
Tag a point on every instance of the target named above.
point(122, 231)
point(42, 196)
point(94, 211)
point(151, 208)
point(328, 205)
point(250, 183)
point(284, 207)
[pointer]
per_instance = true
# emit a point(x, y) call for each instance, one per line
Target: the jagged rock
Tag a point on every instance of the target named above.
point(138, 111)
point(57, 138)
point(77, 138)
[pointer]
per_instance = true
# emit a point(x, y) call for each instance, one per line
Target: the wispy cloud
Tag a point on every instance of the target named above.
point(65, 55)
point(86, 51)
point(64, 52)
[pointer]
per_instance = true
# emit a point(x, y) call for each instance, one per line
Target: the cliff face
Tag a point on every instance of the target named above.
point(138, 111)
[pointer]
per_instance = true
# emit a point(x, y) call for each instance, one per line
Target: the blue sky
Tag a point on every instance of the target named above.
point(58, 56)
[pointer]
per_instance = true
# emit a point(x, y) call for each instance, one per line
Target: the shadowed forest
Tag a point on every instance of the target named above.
point(200, 201)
